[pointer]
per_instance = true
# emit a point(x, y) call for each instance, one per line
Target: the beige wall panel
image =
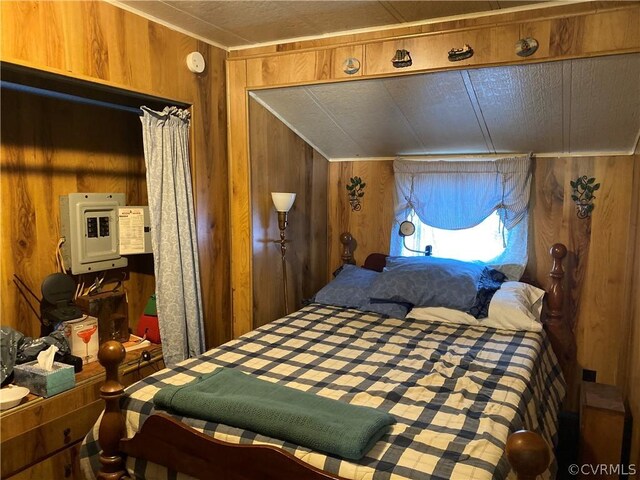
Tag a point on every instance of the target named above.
point(211, 189)
point(370, 226)
point(602, 303)
point(98, 42)
point(614, 31)
point(282, 162)
point(598, 250)
point(632, 389)
point(547, 213)
point(599, 33)
point(240, 202)
point(338, 212)
point(283, 70)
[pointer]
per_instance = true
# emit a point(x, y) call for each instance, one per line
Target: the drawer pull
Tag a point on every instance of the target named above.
point(67, 470)
point(67, 432)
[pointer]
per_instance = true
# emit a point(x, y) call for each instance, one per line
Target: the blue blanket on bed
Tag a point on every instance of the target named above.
point(233, 398)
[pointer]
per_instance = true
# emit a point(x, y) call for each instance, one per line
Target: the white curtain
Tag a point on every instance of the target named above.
point(455, 195)
point(173, 232)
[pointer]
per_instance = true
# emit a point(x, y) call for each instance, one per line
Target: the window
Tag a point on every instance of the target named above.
point(484, 242)
point(467, 210)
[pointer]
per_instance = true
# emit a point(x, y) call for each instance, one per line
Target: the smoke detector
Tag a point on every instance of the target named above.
point(195, 62)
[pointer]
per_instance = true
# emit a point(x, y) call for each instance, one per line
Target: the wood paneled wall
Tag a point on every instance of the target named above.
point(371, 225)
point(282, 162)
point(632, 387)
point(51, 148)
point(100, 43)
point(599, 248)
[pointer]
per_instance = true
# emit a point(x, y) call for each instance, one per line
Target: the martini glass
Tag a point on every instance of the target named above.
point(86, 335)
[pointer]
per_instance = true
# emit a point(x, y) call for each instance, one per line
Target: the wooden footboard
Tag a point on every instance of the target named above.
point(181, 448)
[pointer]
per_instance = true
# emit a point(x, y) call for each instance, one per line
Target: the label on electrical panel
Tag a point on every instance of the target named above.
point(131, 228)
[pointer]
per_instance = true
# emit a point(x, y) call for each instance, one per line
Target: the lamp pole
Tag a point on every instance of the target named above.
point(283, 201)
point(282, 224)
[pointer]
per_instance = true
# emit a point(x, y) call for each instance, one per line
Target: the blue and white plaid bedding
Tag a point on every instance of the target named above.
point(456, 392)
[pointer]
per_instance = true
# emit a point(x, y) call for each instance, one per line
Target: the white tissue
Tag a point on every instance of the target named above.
point(45, 358)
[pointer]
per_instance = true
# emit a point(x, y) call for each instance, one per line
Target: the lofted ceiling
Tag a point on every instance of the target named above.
point(567, 107)
point(243, 23)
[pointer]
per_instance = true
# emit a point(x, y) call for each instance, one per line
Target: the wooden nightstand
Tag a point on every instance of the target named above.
point(602, 416)
point(41, 437)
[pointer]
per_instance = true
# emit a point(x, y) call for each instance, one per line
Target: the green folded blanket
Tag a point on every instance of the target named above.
point(233, 398)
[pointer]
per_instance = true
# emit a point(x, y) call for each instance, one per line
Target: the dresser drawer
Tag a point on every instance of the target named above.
point(32, 446)
point(62, 465)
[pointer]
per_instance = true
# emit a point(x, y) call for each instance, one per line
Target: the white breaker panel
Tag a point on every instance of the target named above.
point(89, 225)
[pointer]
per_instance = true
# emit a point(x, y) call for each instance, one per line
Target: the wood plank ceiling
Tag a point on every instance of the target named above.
point(569, 107)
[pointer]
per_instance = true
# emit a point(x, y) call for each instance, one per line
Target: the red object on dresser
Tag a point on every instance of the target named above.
point(148, 325)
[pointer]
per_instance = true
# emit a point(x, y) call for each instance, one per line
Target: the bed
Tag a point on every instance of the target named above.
point(458, 393)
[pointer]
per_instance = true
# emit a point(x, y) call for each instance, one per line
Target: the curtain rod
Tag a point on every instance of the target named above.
point(66, 96)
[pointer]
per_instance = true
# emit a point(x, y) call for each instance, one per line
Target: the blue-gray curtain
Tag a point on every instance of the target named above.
point(173, 233)
point(455, 195)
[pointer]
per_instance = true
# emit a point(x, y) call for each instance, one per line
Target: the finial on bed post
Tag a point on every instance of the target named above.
point(528, 454)
point(347, 254)
point(112, 427)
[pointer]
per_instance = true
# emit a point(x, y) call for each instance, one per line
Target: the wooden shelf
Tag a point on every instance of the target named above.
point(92, 372)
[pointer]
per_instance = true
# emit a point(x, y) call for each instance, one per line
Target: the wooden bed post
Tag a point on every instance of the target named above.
point(347, 254)
point(112, 427)
point(528, 454)
point(527, 451)
point(560, 334)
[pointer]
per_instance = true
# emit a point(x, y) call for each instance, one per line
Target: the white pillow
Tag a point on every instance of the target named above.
point(515, 306)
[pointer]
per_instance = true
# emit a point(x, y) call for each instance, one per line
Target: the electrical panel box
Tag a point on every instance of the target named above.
point(89, 225)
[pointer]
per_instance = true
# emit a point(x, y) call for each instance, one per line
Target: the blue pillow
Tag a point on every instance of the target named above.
point(349, 289)
point(437, 282)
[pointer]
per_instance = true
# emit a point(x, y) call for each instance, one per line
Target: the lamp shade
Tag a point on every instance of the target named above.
point(283, 201)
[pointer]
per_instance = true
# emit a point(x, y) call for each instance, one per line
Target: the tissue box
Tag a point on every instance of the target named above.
point(82, 336)
point(44, 382)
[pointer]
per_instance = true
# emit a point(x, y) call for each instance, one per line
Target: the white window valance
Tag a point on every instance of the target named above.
point(455, 195)
point(460, 194)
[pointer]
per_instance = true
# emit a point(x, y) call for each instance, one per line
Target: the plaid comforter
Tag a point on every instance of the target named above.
point(456, 392)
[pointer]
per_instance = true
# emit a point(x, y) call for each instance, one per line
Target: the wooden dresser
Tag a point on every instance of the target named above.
point(41, 437)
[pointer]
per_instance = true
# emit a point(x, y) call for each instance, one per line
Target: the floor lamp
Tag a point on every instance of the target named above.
point(283, 203)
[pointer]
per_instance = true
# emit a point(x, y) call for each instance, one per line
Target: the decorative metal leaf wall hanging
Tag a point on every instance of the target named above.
point(583, 188)
point(356, 192)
